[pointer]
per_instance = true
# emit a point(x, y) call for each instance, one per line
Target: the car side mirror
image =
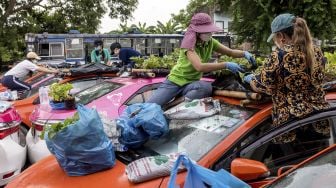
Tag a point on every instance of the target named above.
point(284, 169)
point(247, 169)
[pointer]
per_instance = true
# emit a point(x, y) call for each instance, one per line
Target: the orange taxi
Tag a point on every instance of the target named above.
point(242, 144)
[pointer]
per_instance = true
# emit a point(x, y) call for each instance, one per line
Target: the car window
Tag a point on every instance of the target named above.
point(290, 148)
point(141, 97)
point(321, 172)
point(88, 95)
point(35, 90)
point(188, 135)
point(82, 84)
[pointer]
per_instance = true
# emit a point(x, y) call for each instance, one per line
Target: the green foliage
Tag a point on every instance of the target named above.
point(252, 18)
point(53, 16)
point(330, 69)
point(60, 92)
point(153, 62)
point(53, 129)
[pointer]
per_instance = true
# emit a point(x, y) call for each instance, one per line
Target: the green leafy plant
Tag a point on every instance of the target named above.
point(330, 68)
point(53, 129)
point(60, 92)
point(154, 62)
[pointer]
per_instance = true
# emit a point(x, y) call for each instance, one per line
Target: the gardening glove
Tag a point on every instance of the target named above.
point(248, 78)
point(234, 67)
point(250, 59)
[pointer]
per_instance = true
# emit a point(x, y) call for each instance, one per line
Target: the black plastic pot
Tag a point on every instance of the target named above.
point(70, 104)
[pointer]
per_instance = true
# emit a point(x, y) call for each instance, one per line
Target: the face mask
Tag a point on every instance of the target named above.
point(205, 36)
point(98, 48)
point(34, 61)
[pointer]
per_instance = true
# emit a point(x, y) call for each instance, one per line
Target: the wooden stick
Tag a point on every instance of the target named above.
point(142, 70)
point(150, 74)
point(238, 94)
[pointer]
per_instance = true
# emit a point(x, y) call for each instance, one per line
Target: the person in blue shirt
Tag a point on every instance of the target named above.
point(100, 54)
point(124, 54)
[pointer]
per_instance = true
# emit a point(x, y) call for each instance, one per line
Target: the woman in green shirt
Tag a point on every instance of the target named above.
point(196, 50)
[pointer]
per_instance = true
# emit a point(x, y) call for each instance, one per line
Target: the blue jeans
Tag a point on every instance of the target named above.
point(168, 90)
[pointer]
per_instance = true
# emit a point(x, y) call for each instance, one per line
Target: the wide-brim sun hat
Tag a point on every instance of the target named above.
point(281, 22)
point(202, 23)
point(33, 55)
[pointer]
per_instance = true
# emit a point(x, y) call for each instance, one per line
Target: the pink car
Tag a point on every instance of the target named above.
point(109, 96)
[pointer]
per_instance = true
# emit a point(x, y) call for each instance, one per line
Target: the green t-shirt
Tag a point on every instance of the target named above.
point(99, 59)
point(183, 72)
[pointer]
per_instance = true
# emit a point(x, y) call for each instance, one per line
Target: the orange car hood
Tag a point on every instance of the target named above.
point(47, 173)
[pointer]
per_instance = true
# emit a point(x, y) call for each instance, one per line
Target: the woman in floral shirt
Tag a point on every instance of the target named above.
point(293, 73)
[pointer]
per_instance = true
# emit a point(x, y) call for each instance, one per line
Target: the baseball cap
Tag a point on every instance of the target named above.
point(33, 55)
point(281, 22)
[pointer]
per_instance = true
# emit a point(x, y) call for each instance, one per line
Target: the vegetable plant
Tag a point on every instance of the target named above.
point(53, 129)
point(60, 92)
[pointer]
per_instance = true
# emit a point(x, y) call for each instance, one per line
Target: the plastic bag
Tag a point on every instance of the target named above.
point(82, 148)
point(110, 129)
point(199, 177)
point(140, 122)
point(4, 105)
point(8, 95)
point(195, 109)
point(148, 168)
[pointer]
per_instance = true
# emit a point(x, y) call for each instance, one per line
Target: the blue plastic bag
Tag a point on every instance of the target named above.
point(83, 147)
point(199, 177)
point(140, 122)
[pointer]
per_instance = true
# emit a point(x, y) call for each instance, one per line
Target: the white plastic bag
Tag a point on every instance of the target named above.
point(4, 105)
point(148, 168)
point(196, 109)
point(8, 95)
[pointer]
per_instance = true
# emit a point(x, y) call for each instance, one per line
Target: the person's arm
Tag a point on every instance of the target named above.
point(229, 52)
point(203, 67)
point(266, 81)
point(93, 56)
point(42, 69)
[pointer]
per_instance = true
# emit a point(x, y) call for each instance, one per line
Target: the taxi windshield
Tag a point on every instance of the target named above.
point(194, 137)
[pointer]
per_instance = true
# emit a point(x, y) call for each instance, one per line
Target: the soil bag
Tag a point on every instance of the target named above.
point(200, 177)
point(82, 148)
point(148, 168)
point(140, 122)
point(195, 109)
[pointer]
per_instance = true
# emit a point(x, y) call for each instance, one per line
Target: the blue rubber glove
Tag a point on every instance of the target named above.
point(250, 58)
point(234, 67)
point(248, 78)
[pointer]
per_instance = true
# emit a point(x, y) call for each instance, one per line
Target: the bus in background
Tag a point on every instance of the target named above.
point(75, 47)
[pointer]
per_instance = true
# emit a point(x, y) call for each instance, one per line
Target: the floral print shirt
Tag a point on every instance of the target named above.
point(295, 90)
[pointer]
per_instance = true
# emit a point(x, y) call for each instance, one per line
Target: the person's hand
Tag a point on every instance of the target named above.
point(248, 78)
point(234, 67)
point(250, 59)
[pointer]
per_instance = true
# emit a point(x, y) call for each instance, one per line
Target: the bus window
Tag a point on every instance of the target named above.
point(158, 46)
point(108, 42)
point(125, 42)
point(56, 49)
point(140, 46)
point(74, 48)
point(44, 50)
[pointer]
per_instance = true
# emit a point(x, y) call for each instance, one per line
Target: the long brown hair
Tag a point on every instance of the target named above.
point(302, 38)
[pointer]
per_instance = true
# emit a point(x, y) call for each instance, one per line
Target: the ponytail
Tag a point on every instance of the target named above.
point(302, 38)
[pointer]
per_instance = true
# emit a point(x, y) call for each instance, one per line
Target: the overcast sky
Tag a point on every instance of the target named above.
point(149, 12)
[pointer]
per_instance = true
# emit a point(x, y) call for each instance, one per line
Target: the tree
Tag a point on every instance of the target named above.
point(18, 17)
point(170, 27)
point(252, 18)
